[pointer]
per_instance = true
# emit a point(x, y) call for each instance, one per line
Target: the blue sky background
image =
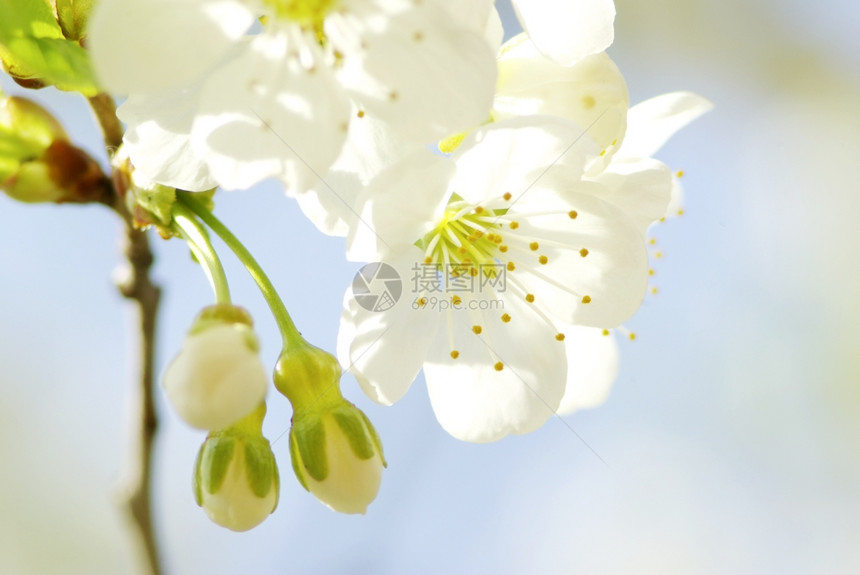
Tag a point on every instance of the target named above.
point(731, 436)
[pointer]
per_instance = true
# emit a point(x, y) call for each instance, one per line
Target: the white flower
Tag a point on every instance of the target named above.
point(651, 123)
point(592, 92)
point(218, 377)
point(513, 197)
point(277, 103)
point(569, 30)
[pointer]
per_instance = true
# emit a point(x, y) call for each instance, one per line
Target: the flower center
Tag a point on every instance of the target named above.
point(466, 240)
point(309, 14)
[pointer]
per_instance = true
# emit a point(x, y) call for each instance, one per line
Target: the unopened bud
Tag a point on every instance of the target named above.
point(336, 455)
point(37, 162)
point(218, 377)
point(236, 477)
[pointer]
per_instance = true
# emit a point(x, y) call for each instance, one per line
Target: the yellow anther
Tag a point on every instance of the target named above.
point(679, 174)
point(507, 196)
point(479, 209)
point(456, 300)
point(477, 329)
point(586, 299)
point(360, 113)
point(530, 298)
point(605, 332)
point(503, 249)
point(572, 214)
point(632, 336)
point(543, 260)
point(514, 225)
point(511, 267)
point(583, 252)
point(559, 336)
point(455, 354)
point(534, 246)
point(506, 318)
point(499, 366)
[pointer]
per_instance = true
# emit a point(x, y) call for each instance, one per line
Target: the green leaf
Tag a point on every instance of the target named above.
point(32, 46)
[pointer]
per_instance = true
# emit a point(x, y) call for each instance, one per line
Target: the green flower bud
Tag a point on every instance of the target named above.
point(218, 377)
point(308, 376)
point(37, 162)
point(236, 477)
point(336, 455)
point(72, 16)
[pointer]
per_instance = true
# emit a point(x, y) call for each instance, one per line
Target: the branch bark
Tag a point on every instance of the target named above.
point(136, 285)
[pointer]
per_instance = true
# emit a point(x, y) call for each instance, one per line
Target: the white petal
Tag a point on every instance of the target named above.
point(569, 30)
point(385, 349)
point(370, 147)
point(652, 122)
point(426, 76)
point(494, 32)
point(676, 200)
point(592, 93)
point(158, 139)
point(399, 206)
point(602, 288)
point(516, 154)
point(479, 15)
point(473, 400)
point(265, 115)
point(152, 45)
point(592, 366)
point(641, 187)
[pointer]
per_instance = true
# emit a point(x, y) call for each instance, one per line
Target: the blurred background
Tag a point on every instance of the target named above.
point(731, 436)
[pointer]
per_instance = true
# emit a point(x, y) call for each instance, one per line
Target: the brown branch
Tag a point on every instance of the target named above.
point(135, 284)
point(105, 111)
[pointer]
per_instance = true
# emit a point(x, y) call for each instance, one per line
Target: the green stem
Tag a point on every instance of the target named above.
point(198, 240)
point(289, 332)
